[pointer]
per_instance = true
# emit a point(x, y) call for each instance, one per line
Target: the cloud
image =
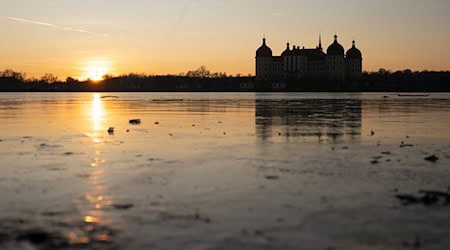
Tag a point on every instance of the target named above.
point(183, 14)
point(55, 26)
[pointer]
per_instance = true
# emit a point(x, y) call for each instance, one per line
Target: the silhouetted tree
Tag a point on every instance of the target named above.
point(201, 72)
point(11, 73)
point(71, 80)
point(49, 78)
point(407, 71)
point(107, 77)
point(383, 71)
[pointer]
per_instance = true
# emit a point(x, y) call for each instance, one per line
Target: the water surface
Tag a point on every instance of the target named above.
point(222, 171)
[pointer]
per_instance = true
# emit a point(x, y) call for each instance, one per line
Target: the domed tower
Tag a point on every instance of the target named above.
point(263, 62)
point(336, 60)
point(353, 60)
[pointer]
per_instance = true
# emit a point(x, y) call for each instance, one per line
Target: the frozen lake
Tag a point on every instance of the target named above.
point(224, 171)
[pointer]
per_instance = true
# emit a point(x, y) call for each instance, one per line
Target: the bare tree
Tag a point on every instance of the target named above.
point(49, 78)
point(201, 72)
point(11, 73)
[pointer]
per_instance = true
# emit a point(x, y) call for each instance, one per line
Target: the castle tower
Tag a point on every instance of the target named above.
point(320, 41)
point(286, 55)
point(353, 60)
point(336, 61)
point(264, 62)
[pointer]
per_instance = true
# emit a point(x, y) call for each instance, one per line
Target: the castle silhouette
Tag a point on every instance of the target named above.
point(309, 63)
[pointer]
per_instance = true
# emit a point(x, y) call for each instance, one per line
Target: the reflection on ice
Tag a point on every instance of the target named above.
point(335, 119)
point(97, 112)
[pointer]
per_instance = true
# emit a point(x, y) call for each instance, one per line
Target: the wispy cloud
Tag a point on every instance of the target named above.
point(54, 26)
point(183, 14)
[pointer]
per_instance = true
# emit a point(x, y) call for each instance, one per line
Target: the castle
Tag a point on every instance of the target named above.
point(309, 64)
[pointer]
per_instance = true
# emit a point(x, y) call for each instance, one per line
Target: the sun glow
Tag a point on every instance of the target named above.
point(96, 70)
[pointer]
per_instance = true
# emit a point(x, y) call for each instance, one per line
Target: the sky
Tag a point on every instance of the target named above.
point(87, 38)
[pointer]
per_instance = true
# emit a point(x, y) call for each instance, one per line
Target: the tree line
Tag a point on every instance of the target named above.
point(202, 79)
point(200, 72)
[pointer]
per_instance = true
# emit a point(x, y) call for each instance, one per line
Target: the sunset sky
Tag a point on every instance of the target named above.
point(84, 38)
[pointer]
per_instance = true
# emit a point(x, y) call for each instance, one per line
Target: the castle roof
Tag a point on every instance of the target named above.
point(297, 51)
point(353, 52)
point(264, 50)
point(335, 49)
point(311, 54)
point(314, 54)
point(287, 51)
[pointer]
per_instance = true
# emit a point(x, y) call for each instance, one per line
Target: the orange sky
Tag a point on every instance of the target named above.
point(89, 38)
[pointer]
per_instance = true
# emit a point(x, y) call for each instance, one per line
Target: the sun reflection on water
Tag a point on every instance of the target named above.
point(97, 112)
point(97, 201)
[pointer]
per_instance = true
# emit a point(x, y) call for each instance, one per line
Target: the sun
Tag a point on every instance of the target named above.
point(96, 70)
point(96, 74)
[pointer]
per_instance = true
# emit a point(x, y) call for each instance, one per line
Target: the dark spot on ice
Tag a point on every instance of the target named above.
point(56, 169)
point(68, 153)
point(123, 206)
point(199, 217)
point(374, 162)
point(111, 131)
point(39, 237)
point(426, 198)
point(407, 199)
point(156, 123)
point(386, 153)
point(53, 213)
point(272, 177)
point(84, 176)
point(135, 121)
point(344, 147)
point(432, 158)
point(45, 145)
point(259, 233)
point(403, 145)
